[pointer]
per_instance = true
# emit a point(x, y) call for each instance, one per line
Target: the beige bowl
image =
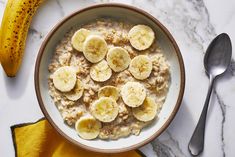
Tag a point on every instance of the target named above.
point(165, 41)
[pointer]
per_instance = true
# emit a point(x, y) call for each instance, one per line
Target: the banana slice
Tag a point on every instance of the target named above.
point(109, 91)
point(64, 78)
point(141, 37)
point(118, 59)
point(100, 72)
point(147, 111)
point(141, 67)
point(105, 109)
point(88, 127)
point(94, 48)
point(133, 94)
point(77, 91)
point(78, 38)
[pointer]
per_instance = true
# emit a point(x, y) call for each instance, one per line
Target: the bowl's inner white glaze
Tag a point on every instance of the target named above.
point(116, 13)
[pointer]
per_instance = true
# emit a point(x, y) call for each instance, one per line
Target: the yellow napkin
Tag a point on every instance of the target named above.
point(39, 139)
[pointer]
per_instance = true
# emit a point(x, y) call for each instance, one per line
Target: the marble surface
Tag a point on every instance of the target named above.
point(193, 23)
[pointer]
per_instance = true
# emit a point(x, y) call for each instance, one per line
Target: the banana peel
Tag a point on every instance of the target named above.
point(13, 33)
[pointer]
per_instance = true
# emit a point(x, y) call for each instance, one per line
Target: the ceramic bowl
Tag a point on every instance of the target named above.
point(166, 43)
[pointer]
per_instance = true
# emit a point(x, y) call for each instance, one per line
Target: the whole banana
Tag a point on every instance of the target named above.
point(13, 32)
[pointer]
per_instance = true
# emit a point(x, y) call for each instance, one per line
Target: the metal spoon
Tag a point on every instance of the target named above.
point(216, 61)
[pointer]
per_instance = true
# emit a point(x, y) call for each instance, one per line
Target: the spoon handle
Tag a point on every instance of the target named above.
point(196, 143)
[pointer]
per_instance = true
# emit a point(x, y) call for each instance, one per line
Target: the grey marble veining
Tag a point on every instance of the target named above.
point(61, 8)
point(33, 31)
point(167, 147)
point(223, 111)
point(232, 68)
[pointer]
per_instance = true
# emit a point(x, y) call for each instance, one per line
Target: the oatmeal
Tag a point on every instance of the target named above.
point(109, 79)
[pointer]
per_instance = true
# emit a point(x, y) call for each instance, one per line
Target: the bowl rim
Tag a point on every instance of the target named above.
point(179, 57)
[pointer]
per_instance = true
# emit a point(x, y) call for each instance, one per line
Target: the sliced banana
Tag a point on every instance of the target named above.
point(88, 127)
point(94, 48)
point(133, 94)
point(147, 111)
point(77, 91)
point(105, 109)
point(100, 72)
point(118, 59)
point(64, 78)
point(141, 37)
point(141, 67)
point(79, 38)
point(109, 91)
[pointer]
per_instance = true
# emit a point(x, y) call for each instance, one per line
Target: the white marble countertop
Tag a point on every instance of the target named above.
point(193, 23)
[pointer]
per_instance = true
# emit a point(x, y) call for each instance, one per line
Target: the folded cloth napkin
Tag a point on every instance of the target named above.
point(39, 139)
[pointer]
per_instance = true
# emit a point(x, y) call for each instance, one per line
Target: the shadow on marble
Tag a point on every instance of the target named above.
point(229, 74)
point(174, 141)
point(183, 117)
point(15, 86)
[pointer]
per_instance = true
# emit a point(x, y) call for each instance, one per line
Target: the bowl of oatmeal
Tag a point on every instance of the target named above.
point(109, 78)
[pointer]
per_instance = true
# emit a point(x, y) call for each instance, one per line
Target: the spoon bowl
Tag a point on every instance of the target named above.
point(218, 55)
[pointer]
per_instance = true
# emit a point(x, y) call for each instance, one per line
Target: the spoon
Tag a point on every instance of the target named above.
point(216, 61)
